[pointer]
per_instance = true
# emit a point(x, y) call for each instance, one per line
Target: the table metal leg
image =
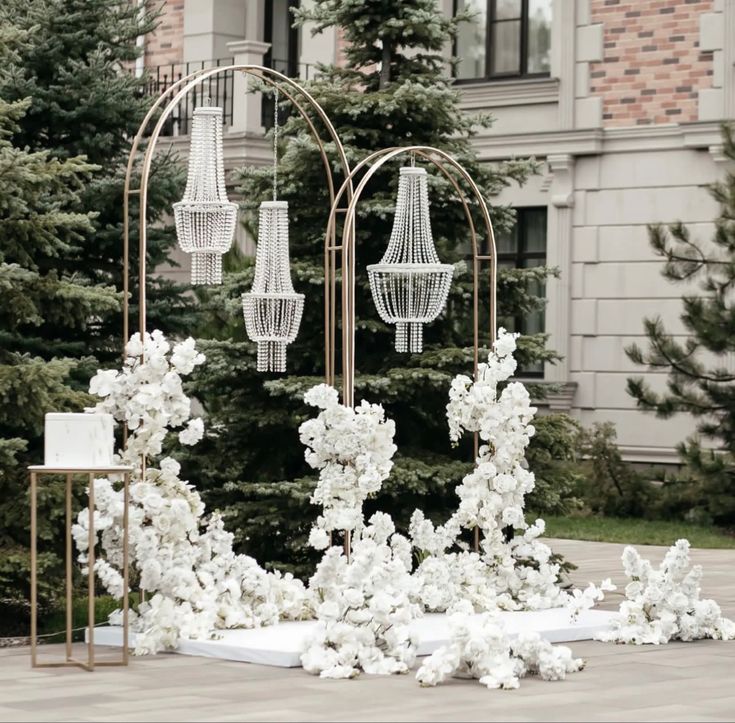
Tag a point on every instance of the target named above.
point(126, 566)
point(34, 572)
point(69, 557)
point(90, 577)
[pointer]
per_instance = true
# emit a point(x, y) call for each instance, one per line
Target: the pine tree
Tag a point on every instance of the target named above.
point(392, 92)
point(700, 376)
point(42, 220)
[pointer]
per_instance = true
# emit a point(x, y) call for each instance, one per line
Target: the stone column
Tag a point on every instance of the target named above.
point(558, 291)
point(209, 25)
point(246, 107)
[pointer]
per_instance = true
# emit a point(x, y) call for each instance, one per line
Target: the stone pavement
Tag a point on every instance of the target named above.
point(676, 682)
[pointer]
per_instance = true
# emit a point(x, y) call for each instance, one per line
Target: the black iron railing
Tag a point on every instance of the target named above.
point(219, 89)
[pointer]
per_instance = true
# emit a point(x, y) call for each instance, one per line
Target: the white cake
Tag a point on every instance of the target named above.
point(79, 440)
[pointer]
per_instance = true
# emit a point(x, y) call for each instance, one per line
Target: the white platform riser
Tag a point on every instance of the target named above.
point(281, 645)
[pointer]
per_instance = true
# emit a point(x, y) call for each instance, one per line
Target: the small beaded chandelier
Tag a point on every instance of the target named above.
point(205, 219)
point(410, 285)
point(272, 308)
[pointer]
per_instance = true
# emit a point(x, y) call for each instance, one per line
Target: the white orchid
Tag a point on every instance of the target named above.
point(510, 574)
point(196, 583)
point(366, 606)
point(353, 450)
point(480, 648)
point(663, 604)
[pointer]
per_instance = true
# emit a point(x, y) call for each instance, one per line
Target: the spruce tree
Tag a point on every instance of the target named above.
point(393, 91)
point(88, 101)
point(700, 375)
point(42, 221)
point(70, 106)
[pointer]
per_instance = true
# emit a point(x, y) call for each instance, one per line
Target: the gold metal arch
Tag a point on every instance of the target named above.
point(174, 94)
point(443, 161)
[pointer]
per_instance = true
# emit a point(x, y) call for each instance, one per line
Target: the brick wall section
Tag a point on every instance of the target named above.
point(652, 67)
point(165, 45)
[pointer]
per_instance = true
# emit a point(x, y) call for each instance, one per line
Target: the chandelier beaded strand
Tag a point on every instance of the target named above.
point(272, 309)
point(205, 219)
point(410, 286)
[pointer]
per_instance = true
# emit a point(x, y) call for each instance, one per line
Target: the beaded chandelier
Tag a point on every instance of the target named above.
point(272, 308)
point(205, 219)
point(410, 285)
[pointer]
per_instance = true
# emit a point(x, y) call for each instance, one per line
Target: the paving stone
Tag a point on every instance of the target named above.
point(675, 682)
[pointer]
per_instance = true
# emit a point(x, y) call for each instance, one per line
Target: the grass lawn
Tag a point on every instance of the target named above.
point(636, 531)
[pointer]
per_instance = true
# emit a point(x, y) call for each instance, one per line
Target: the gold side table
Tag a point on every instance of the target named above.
point(90, 473)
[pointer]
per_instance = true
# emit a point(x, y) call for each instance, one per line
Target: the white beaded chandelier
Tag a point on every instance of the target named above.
point(205, 219)
point(272, 308)
point(410, 285)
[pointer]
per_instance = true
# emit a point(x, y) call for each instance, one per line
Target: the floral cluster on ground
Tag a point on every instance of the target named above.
point(664, 604)
point(365, 602)
point(365, 606)
point(508, 572)
point(184, 559)
point(480, 648)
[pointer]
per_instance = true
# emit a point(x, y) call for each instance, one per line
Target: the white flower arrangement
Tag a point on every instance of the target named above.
point(364, 606)
point(480, 648)
point(664, 604)
point(509, 574)
point(353, 451)
point(196, 582)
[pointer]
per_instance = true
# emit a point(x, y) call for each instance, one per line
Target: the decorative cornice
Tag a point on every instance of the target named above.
point(247, 47)
point(593, 141)
point(492, 94)
point(650, 455)
point(558, 397)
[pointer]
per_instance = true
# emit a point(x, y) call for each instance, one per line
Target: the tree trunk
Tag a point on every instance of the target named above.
point(385, 66)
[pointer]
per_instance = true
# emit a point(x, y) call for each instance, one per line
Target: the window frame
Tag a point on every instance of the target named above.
point(292, 62)
point(518, 259)
point(490, 75)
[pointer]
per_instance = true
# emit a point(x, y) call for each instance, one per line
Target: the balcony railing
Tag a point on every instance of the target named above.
point(219, 89)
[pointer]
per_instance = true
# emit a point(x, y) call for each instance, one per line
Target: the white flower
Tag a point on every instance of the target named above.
point(196, 583)
point(103, 383)
point(185, 357)
point(366, 607)
point(193, 433)
point(511, 574)
point(318, 538)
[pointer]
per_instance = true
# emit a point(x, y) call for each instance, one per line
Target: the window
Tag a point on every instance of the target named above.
point(283, 54)
point(524, 246)
point(505, 39)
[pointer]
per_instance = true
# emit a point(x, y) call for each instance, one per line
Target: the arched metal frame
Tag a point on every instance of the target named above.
point(174, 94)
point(440, 159)
point(443, 161)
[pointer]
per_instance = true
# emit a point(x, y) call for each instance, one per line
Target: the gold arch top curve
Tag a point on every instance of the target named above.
point(443, 161)
point(174, 94)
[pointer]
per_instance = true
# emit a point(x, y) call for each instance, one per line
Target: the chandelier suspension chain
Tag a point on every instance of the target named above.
point(275, 143)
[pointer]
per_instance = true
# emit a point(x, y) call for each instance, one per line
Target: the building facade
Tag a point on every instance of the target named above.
point(622, 102)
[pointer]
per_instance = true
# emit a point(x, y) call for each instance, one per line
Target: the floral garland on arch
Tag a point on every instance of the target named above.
point(508, 574)
point(185, 561)
point(353, 450)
